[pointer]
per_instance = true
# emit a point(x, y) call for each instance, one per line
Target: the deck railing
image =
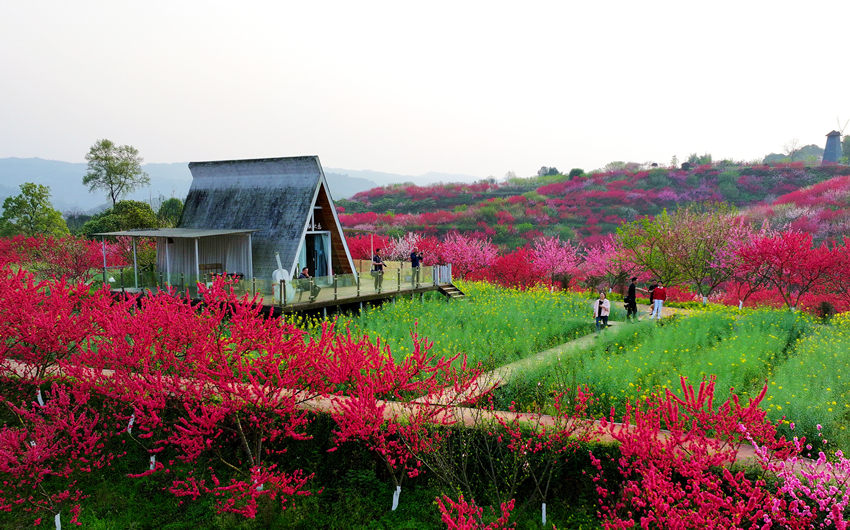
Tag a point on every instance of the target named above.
point(291, 292)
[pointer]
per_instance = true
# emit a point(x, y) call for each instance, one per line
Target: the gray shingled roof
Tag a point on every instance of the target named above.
point(188, 233)
point(272, 195)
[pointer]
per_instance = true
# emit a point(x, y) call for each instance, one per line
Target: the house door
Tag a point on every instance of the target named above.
point(315, 253)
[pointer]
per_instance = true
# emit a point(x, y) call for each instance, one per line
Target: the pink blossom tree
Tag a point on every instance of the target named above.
point(553, 258)
point(466, 254)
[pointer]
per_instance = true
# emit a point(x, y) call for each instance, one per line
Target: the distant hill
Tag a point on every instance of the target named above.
point(384, 179)
point(68, 193)
point(585, 207)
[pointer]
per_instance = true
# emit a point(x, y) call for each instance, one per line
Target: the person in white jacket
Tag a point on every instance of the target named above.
point(601, 310)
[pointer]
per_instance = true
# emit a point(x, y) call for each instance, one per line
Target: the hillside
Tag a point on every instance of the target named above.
point(585, 207)
point(822, 209)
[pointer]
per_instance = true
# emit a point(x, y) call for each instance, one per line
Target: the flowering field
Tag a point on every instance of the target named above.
point(493, 325)
point(803, 361)
point(160, 412)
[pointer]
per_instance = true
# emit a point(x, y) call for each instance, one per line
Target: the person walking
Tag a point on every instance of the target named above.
point(631, 301)
point(601, 310)
point(651, 291)
point(378, 269)
point(658, 296)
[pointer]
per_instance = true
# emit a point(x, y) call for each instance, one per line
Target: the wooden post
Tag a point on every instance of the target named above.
point(398, 273)
point(358, 286)
point(335, 287)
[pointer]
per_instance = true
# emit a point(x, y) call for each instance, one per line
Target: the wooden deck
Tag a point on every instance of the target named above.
point(328, 298)
point(347, 295)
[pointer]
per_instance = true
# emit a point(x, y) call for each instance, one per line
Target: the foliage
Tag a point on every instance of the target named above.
point(789, 263)
point(670, 480)
point(585, 207)
point(466, 254)
point(125, 215)
point(31, 213)
point(115, 169)
point(69, 257)
point(169, 212)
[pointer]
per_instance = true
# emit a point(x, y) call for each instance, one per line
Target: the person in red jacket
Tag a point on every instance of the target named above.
point(658, 297)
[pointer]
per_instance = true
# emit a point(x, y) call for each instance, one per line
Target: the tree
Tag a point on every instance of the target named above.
point(845, 149)
point(705, 243)
point(126, 215)
point(691, 244)
point(467, 254)
point(650, 244)
point(169, 212)
point(546, 171)
point(553, 258)
point(699, 160)
point(115, 169)
point(790, 263)
point(605, 263)
point(31, 213)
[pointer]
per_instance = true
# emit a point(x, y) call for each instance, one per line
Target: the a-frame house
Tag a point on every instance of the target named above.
point(286, 204)
point(241, 215)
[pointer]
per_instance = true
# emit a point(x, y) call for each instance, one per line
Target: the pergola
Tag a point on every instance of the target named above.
point(167, 236)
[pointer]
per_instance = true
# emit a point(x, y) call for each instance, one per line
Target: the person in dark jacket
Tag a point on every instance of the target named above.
point(631, 300)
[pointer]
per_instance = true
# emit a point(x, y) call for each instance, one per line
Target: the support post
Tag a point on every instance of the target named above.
point(135, 264)
point(335, 287)
point(103, 248)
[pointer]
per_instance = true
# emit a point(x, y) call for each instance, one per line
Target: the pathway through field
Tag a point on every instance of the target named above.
point(500, 376)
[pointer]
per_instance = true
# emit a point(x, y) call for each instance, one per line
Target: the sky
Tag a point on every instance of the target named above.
point(463, 87)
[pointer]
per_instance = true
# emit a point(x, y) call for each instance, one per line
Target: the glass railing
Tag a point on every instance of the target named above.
point(292, 292)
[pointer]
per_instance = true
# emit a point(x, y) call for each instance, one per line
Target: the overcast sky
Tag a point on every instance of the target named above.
point(479, 88)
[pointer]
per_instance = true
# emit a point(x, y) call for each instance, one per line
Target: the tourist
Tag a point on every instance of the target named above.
point(631, 300)
point(378, 269)
point(307, 280)
point(658, 296)
point(415, 265)
point(651, 292)
point(601, 310)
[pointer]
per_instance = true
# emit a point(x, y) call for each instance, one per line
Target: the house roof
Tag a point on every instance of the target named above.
point(176, 233)
point(276, 194)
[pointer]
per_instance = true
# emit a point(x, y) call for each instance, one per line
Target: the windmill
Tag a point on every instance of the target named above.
point(832, 151)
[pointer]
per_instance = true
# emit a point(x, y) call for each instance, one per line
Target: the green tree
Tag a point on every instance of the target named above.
point(546, 171)
point(115, 169)
point(699, 160)
point(845, 149)
point(31, 213)
point(691, 245)
point(169, 212)
point(651, 244)
point(126, 215)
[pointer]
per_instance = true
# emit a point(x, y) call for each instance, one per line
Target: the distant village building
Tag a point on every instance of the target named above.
point(241, 216)
point(832, 151)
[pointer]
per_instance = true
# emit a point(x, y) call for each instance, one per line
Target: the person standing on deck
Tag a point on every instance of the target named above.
point(378, 269)
point(415, 265)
